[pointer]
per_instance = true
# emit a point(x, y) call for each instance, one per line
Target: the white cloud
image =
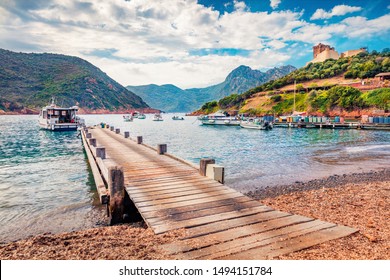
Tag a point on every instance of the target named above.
point(142, 42)
point(275, 3)
point(339, 10)
point(239, 6)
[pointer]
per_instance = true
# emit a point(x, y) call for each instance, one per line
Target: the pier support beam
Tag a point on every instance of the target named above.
point(92, 142)
point(161, 149)
point(203, 165)
point(101, 152)
point(116, 188)
point(126, 134)
point(139, 139)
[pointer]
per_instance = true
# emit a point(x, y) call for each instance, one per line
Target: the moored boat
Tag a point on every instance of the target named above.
point(157, 117)
point(141, 116)
point(56, 118)
point(256, 123)
point(219, 118)
point(177, 118)
point(127, 118)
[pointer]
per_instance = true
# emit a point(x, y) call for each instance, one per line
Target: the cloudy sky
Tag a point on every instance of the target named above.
point(190, 43)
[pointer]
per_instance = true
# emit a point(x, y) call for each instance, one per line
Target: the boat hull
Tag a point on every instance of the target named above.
point(59, 127)
point(221, 122)
point(255, 126)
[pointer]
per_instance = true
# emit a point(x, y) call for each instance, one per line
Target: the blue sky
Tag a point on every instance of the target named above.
point(190, 43)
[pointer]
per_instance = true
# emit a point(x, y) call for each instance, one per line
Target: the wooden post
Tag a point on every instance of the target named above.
point(117, 131)
point(139, 139)
point(126, 134)
point(92, 142)
point(203, 165)
point(107, 126)
point(88, 135)
point(116, 188)
point(111, 128)
point(101, 152)
point(161, 149)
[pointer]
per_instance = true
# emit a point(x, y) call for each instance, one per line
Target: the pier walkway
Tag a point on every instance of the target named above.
point(170, 194)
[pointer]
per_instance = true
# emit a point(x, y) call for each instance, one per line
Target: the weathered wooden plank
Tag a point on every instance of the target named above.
point(201, 180)
point(173, 193)
point(187, 203)
point(162, 201)
point(256, 241)
point(203, 212)
point(100, 186)
point(283, 247)
point(224, 225)
point(231, 202)
point(161, 228)
point(186, 245)
point(162, 190)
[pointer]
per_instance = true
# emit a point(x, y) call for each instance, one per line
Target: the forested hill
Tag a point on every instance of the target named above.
point(332, 86)
point(28, 81)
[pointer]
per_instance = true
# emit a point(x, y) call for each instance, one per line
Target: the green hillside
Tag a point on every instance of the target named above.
point(31, 80)
point(272, 98)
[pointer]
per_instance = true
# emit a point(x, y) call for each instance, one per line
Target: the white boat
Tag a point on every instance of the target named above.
point(157, 117)
point(56, 118)
point(127, 118)
point(256, 123)
point(177, 118)
point(135, 114)
point(219, 118)
point(141, 116)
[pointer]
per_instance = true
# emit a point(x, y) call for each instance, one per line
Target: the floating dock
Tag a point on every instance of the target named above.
point(169, 193)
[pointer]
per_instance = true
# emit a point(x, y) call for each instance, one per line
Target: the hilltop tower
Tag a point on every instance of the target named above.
point(321, 48)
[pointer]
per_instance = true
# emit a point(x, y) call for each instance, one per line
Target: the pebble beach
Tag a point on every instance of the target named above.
point(359, 200)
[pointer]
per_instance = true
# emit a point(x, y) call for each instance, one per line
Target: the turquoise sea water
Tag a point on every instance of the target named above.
point(46, 185)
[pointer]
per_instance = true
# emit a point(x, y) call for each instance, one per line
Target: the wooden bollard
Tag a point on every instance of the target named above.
point(161, 149)
point(117, 131)
point(92, 142)
point(88, 135)
point(139, 139)
point(107, 126)
point(203, 165)
point(111, 128)
point(126, 134)
point(101, 152)
point(116, 188)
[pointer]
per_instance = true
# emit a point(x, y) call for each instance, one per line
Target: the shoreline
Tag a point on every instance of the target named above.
point(359, 200)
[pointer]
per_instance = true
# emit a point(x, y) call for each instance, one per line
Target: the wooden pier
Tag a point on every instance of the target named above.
point(170, 193)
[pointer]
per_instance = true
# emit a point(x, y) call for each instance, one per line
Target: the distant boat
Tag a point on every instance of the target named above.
point(219, 118)
point(141, 116)
point(177, 118)
point(135, 115)
point(127, 118)
point(256, 123)
point(157, 117)
point(56, 118)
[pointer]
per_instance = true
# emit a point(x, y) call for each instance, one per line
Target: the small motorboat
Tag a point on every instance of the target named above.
point(127, 118)
point(257, 123)
point(141, 116)
point(177, 118)
point(157, 117)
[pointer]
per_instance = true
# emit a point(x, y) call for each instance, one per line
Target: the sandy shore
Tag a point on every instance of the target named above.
point(361, 201)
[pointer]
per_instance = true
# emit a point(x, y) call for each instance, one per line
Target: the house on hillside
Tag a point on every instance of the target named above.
point(323, 52)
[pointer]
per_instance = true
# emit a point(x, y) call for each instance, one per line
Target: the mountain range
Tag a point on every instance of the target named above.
point(29, 81)
point(171, 98)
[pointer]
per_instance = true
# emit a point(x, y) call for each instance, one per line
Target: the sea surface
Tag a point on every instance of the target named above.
point(46, 184)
